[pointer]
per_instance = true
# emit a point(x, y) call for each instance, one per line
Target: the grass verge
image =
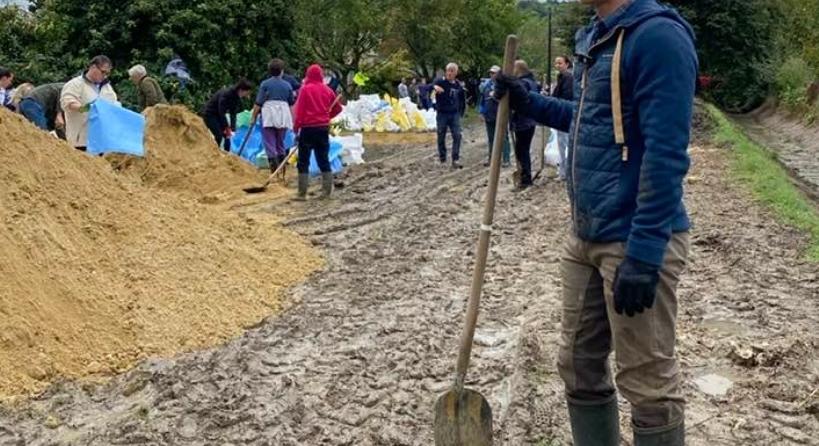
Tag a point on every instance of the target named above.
point(768, 180)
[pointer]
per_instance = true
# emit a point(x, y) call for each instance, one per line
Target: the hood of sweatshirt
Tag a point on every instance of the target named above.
point(315, 74)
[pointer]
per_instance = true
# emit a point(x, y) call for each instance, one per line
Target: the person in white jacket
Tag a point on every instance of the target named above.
point(77, 96)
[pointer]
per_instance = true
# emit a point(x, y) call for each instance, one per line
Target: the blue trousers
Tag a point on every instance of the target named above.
point(490, 134)
point(451, 121)
point(33, 111)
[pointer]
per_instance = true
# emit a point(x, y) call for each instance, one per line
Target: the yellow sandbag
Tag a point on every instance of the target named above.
point(399, 116)
point(381, 122)
point(418, 121)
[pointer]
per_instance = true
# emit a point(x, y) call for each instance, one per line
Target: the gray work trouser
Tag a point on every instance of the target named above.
point(648, 375)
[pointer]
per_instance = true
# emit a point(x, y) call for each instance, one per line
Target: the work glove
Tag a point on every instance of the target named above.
point(85, 107)
point(518, 96)
point(227, 132)
point(635, 286)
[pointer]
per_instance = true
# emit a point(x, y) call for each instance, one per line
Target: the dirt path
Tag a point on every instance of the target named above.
point(369, 343)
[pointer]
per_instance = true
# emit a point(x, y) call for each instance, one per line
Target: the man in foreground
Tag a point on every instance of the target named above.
point(635, 73)
point(78, 94)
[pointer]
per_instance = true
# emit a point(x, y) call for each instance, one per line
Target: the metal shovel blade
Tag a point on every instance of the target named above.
point(463, 419)
point(255, 189)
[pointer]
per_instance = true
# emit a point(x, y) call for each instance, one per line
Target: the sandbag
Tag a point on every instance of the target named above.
point(114, 129)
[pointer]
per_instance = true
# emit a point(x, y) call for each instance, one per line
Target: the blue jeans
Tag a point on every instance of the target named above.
point(490, 133)
point(33, 111)
point(453, 122)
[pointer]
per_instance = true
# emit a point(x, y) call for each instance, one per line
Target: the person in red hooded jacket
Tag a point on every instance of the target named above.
point(315, 106)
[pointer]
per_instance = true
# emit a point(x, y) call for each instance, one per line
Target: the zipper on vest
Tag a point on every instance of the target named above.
point(583, 87)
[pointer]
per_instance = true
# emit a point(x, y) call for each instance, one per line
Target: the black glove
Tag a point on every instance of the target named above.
point(635, 286)
point(518, 96)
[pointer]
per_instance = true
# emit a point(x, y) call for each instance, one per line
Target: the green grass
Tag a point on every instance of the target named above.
point(769, 182)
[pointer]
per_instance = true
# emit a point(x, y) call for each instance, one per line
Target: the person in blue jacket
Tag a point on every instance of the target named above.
point(629, 124)
point(450, 106)
point(488, 109)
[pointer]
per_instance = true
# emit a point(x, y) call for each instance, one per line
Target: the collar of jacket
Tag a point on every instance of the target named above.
point(627, 16)
point(104, 82)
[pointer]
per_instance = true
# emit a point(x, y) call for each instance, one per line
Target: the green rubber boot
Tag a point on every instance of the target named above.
point(595, 423)
point(304, 183)
point(673, 435)
point(326, 184)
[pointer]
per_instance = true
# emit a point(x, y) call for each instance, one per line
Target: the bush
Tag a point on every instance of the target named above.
point(792, 80)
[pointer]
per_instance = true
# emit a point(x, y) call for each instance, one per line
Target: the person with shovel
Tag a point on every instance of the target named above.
point(636, 70)
point(315, 106)
point(273, 101)
point(227, 101)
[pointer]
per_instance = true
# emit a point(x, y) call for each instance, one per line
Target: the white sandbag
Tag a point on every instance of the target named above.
point(352, 151)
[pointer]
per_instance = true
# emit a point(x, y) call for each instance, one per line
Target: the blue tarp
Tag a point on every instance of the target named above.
point(254, 149)
point(114, 129)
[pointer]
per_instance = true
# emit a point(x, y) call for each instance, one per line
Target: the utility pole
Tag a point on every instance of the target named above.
point(549, 58)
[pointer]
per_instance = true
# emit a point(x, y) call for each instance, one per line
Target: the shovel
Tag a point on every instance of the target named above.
point(247, 136)
point(463, 416)
point(263, 187)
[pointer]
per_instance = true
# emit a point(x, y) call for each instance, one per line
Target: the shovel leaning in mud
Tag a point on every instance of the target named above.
point(463, 416)
point(263, 187)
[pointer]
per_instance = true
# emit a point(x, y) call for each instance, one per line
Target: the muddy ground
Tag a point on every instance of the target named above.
point(368, 343)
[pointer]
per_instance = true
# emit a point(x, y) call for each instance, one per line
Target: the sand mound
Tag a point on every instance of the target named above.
point(98, 272)
point(182, 156)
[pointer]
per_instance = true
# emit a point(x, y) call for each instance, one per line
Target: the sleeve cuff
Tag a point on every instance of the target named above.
point(646, 252)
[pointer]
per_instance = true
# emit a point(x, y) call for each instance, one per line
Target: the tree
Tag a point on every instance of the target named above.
point(343, 35)
point(425, 27)
point(736, 43)
point(220, 40)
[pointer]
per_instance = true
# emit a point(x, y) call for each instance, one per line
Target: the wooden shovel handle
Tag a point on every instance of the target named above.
point(501, 126)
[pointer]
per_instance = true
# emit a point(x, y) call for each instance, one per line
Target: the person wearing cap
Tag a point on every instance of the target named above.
point(488, 109)
point(149, 92)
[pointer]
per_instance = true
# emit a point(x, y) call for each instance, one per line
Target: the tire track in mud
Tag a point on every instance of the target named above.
point(367, 345)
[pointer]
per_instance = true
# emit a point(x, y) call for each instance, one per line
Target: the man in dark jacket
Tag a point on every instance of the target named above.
point(450, 101)
point(227, 101)
point(524, 127)
point(41, 106)
point(149, 93)
point(636, 70)
point(564, 90)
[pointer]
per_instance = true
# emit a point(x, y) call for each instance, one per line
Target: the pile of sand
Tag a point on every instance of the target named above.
point(181, 155)
point(98, 272)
